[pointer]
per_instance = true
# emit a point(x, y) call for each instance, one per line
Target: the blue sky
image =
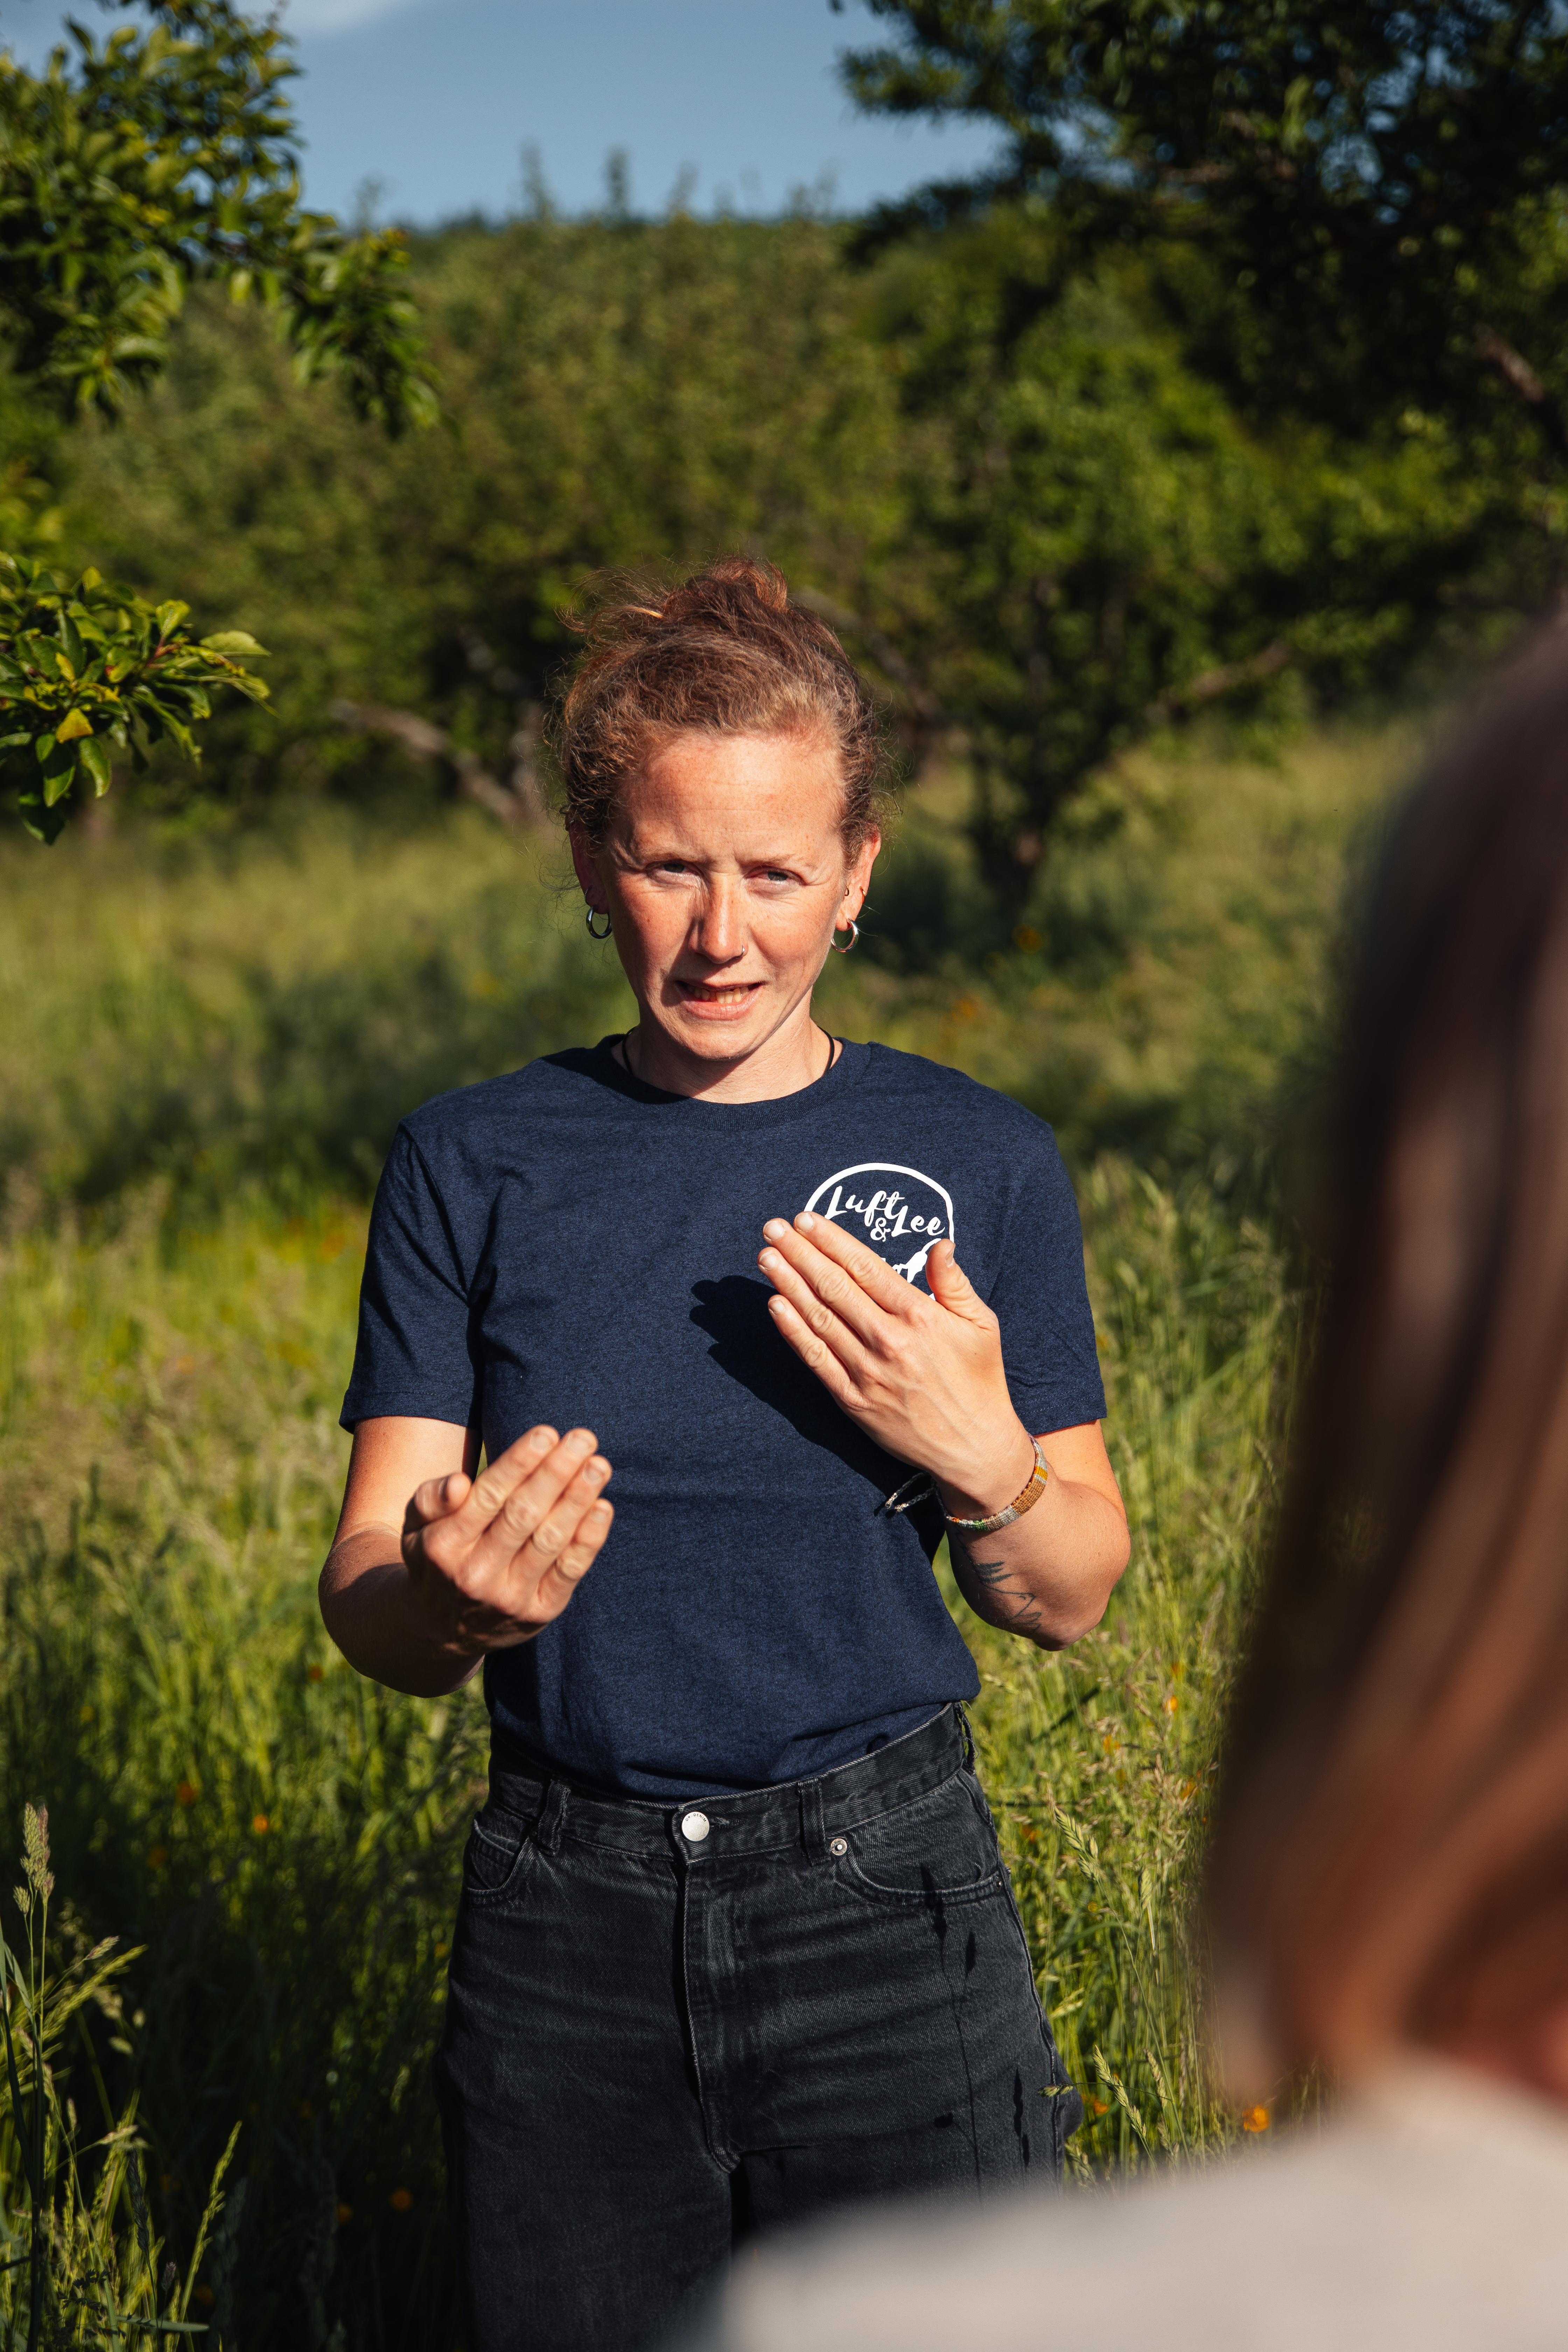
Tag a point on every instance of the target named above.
point(436, 100)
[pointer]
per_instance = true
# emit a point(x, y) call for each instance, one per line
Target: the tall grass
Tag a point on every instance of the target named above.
point(211, 1046)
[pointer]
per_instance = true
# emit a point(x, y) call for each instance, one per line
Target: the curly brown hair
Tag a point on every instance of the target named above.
point(727, 652)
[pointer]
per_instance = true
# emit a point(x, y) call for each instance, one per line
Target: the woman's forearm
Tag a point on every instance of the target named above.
point(1050, 1574)
point(372, 1611)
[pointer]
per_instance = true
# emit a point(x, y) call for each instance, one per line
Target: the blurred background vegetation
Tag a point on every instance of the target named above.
point(1159, 526)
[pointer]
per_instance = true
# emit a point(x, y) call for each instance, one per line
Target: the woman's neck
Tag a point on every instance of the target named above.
point(785, 1064)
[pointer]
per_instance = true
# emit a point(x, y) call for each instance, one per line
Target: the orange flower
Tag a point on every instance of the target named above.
point(345, 2213)
point(401, 2199)
point(204, 2297)
point(314, 1674)
point(158, 1857)
point(1255, 2119)
point(261, 1825)
point(186, 1794)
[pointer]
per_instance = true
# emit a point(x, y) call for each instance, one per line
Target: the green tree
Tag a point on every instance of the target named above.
point(1379, 187)
point(1110, 544)
point(158, 159)
point(1337, 233)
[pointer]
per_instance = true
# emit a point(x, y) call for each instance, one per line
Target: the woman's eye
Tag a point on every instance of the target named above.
point(776, 873)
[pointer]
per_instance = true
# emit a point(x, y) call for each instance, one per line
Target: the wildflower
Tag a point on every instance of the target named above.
point(158, 1857)
point(1026, 938)
point(1099, 2107)
point(186, 1794)
point(205, 2297)
point(401, 2199)
point(313, 1674)
point(261, 1825)
point(1255, 2119)
point(1171, 1703)
point(345, 2215)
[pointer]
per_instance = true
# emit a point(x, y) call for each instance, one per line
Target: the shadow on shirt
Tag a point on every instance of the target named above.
point(733, 1312)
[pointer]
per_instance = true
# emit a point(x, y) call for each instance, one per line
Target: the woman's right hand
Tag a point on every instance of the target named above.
point(492, 1561)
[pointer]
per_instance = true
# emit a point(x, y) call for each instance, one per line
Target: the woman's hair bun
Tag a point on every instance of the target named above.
point(726, 651)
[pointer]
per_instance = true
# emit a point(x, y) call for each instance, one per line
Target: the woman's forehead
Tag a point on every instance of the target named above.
point(735, 787)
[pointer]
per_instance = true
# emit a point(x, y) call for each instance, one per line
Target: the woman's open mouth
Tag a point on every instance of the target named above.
point(718, 1001)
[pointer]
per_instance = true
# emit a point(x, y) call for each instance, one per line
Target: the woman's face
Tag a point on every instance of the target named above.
point(723, 874)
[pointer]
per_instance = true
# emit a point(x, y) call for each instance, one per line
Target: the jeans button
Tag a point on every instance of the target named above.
point(695, 1826)
point(838, 1845)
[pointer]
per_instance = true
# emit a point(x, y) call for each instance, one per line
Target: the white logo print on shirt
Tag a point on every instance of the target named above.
point(900, 1213)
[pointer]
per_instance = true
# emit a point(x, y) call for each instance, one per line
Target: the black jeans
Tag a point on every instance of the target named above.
point(670, 2025)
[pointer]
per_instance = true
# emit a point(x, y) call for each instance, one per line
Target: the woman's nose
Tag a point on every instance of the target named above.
point(721, 930)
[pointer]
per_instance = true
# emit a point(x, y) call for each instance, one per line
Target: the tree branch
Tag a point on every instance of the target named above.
point(519, 800)
point(1521, 377)
point(1182, 700)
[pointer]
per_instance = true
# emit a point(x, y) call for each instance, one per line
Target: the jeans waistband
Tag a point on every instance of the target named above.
point(793, 1812)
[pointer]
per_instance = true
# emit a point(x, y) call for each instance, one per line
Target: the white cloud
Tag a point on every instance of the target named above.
point(338, 15)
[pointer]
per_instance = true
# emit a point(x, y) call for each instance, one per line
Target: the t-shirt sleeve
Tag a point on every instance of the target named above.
point(414, 1354)
point(1041, 1300)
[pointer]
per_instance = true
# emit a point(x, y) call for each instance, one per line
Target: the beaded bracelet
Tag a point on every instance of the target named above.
point(922, 1488)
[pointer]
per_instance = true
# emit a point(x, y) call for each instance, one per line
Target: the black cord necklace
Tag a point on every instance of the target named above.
point(627, 1063)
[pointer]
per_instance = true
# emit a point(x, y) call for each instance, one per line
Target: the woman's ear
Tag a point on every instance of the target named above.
point(857, 880)
point(587, 871)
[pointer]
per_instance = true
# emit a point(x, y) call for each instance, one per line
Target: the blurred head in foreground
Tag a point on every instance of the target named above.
point(1390, 1862)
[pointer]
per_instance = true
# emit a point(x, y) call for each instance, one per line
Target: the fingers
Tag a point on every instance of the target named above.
point(849, 1280)
point(437, 1498)
point(950, 1286)
point(810, 1310)
point(499, 1479)
point(815, 1352)
point(559, 1578)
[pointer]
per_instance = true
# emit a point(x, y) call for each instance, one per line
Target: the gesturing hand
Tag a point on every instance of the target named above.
point(923, 1375)
point(492, 1559)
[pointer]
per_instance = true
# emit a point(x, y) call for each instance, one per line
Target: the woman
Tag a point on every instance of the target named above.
point(1388, 1886)
point(735, 1942)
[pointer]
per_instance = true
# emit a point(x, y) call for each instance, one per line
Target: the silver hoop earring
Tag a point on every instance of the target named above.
point(854, 935)
point(609, 927)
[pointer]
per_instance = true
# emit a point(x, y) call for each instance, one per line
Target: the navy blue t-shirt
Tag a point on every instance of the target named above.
point(569, 1246)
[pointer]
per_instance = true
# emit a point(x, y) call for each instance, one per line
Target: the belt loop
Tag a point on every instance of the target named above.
point(547, 1829)
point(813, 1833)
point(963, 1713)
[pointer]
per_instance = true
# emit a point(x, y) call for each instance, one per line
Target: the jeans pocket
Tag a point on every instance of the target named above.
point(937, 1848)
point(493, 1860)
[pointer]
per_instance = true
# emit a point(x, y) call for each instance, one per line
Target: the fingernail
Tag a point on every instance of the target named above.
point(769, 1258)
point(598, 1515)
point(775, 1229)
point(542, 1441)
point(598, 1467)
point(775, 1305)
point(582, 1441)
point(805, 1221)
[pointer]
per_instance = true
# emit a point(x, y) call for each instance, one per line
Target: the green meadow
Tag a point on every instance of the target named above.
point(209, 1039)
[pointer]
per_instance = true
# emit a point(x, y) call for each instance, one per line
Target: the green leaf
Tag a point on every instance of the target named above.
point(57, 783)
point(231, 641)
point(95, 760)
point(74, 723)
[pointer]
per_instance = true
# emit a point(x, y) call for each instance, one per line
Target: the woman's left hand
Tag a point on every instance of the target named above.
point(921, 1374)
